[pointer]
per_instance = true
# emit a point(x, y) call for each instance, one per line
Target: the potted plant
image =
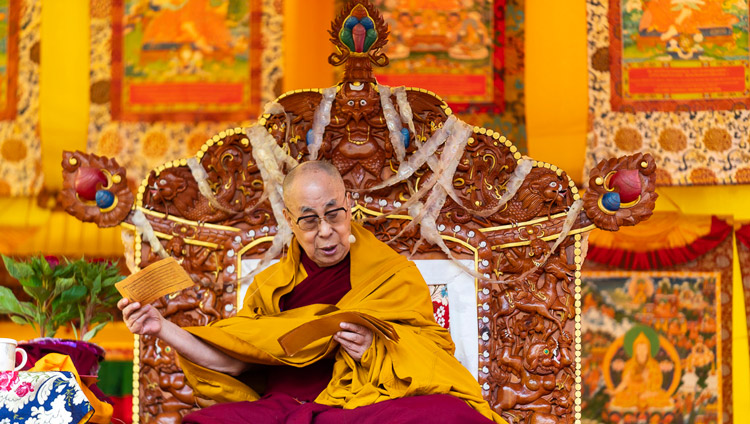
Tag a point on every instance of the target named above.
point(80, 294)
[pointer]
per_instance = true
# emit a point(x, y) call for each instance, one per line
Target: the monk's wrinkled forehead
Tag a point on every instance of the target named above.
point(313, 185)
point(304, 207)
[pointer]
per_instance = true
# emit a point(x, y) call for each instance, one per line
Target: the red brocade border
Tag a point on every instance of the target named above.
point(742, 232)
point(743, 235)
point(667, 257)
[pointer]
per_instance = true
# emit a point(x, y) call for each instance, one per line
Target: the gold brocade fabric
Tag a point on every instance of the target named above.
point(385, 285)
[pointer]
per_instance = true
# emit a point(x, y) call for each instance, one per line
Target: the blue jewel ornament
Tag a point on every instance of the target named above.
point(367, 23)
point(611, 201)
point(351, 22)
point(104, 199)
point(405, 137)
point(309, 138)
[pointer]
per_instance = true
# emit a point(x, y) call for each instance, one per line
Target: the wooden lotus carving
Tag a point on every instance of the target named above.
point(530, 250)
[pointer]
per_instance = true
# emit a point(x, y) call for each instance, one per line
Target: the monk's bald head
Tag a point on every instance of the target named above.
point(310, 172)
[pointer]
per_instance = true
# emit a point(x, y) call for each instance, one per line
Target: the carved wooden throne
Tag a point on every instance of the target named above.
point(519, 225)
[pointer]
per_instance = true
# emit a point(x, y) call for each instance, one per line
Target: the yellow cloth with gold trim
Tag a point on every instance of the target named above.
point(385, 285)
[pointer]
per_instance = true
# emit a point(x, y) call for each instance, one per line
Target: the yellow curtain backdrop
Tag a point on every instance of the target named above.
point(556, 97)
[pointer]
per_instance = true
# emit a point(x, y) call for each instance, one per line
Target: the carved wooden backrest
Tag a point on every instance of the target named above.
point(520, 223)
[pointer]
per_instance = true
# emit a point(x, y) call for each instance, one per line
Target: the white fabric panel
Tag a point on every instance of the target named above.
point(247, 266)
point(462, 304)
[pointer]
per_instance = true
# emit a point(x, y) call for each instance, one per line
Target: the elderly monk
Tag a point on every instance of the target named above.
point(354, 376)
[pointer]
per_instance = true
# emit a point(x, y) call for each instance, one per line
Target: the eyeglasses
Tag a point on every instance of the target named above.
point(311, 222)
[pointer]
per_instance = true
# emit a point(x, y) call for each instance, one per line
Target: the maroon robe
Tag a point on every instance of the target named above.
point(322, 285)
point(290, 391)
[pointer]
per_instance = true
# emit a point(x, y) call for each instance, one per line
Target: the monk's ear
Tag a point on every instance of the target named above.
point(288, 217)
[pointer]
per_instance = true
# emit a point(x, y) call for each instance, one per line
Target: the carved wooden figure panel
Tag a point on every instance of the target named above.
point(423, 181)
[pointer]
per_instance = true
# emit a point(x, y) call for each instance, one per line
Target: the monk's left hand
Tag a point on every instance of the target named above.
point(355, 339)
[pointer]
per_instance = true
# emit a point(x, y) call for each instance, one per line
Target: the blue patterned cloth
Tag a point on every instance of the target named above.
point(42, 397)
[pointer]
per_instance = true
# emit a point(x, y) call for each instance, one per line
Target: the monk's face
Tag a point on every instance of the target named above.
point(642, 352)
point(315, 194)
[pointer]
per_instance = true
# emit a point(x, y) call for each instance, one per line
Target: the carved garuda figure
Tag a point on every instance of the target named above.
point(424, 181)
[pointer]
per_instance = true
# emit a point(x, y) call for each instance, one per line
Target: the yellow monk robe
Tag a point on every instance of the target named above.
point(385, 285)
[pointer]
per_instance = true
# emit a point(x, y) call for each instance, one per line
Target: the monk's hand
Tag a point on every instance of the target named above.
point(140, 319)
point(355, 339)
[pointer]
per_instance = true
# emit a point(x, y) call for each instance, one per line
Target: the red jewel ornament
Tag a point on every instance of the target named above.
point(358, 34)
point(88, 181)
point(627, 183)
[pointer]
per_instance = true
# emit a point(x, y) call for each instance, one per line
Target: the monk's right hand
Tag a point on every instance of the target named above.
point(142, 320)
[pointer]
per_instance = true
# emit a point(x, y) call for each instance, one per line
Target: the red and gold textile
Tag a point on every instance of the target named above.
point(672, 79)
point(20, 145)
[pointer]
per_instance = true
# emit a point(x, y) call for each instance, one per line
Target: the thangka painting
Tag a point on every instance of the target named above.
point(167, 75)
point(742, 234)
point(470, 52)
point(671, 77)
point(20, 146)
point(652, 347)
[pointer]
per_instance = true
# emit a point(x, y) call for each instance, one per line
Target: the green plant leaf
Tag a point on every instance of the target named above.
point(96, 286)
point(60, 270)
point(64, 283)
point(109, 301)
point(40, 294)
point(101, 317)
point(8, 302)
point(31, 281)
point(17, 270)
point(44, 267)
point(28, 308)
point(50, 331)
point(20, 320)
point(64, 317)
point(73, 294)
point(56, 303)
point(91, 333)
point(111, 280)
point(75, 331)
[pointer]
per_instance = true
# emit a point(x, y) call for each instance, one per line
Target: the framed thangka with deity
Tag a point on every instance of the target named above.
point(470, 52)
point(685, 65)
point(185, 60)
point(447, 47)
point(166, 76)
point(679, 54)
point(652, 347)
